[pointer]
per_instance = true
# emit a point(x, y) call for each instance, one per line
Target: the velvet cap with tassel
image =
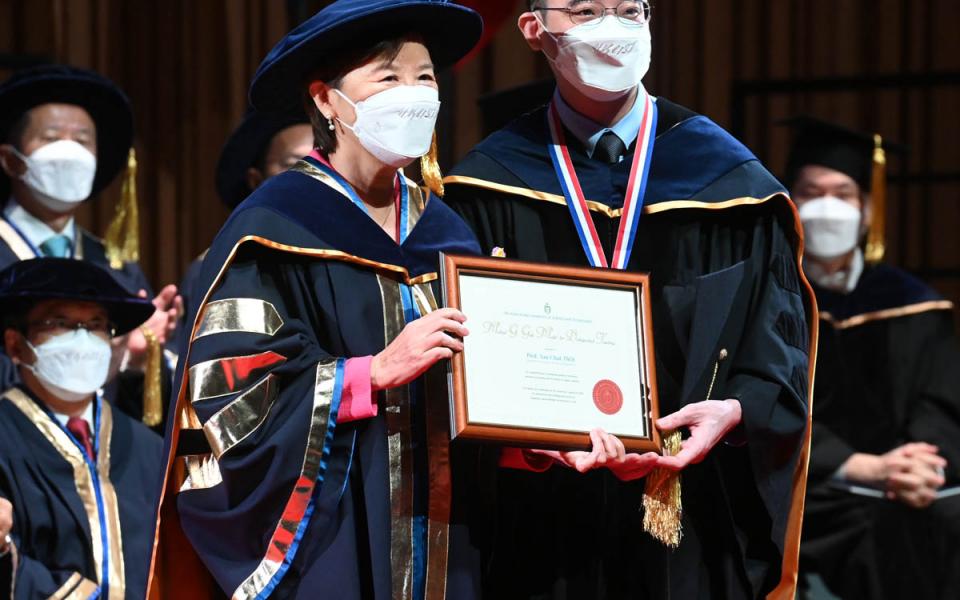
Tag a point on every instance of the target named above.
point(862, 157)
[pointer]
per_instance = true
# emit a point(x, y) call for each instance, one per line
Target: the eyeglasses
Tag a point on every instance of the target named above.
point(101, 328)
point(586, 12)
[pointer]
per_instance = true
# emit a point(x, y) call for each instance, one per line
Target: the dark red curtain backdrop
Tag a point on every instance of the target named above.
point(186, 64)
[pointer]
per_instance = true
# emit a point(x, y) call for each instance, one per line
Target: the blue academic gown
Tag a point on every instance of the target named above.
point(81, 529)
point(266, 494)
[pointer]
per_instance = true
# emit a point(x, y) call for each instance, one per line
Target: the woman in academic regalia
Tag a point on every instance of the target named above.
point(309, 454)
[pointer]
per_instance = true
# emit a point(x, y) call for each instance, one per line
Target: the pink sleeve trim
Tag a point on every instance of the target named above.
point(356, 400)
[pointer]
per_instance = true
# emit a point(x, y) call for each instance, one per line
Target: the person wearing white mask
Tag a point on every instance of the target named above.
point(609, 175)
point(65, 134)
point(886, 429)
point(310, 453)
point(79, 474)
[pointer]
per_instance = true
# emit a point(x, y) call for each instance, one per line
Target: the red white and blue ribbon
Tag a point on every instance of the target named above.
point(636, 189)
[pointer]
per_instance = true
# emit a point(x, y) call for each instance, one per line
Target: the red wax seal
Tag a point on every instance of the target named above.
point(607, 397)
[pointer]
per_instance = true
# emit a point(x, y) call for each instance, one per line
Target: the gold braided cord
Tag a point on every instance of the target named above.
point(662, 508)
point(876, 237)
point(152, 373)
point(122, 239)
point(430, 169)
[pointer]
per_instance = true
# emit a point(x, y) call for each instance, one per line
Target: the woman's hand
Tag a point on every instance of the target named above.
point(607, 451)
point(420, 345)
point(709, 421)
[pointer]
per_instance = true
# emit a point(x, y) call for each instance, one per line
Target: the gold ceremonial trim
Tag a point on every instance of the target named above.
point(696, 204)
point(68, 450)
point(236, 421)
point(603, 208)
point(111, 508)
point(787, 587)
point(239, 315)
point(203, 472)
point(341, 256)
point(311, 171)
point(83, 590)
point(67, 586)
point(529, 193)
point(285, 532)
point(399, 453)
point(887, 313)
point(219, 377)
point(438, 449)
point(17, 244)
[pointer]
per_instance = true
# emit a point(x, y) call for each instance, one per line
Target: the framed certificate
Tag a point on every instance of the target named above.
point(553, 352)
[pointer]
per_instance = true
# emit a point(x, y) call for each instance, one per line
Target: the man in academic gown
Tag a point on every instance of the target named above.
point(262, 145)
point(80, 475)
point(732, 315)
point(886, 433)
point(65, 134)
point(289, 472)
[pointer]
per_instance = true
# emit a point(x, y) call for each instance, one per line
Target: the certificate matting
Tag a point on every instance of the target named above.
point(553, 352)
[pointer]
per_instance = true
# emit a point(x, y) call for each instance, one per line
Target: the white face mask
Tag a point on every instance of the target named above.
point(60, 174)
point(72, 365)
point(603, 60)
point(831, 227)
point(396, 125)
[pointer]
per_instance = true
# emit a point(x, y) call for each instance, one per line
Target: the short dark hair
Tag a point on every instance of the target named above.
point(332, 74)
point(17, 129)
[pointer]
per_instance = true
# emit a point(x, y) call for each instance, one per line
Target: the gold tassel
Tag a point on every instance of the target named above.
point(876, 238)
point(123, 235)
point(152, 372)
point(430, 169)
point(662, 508)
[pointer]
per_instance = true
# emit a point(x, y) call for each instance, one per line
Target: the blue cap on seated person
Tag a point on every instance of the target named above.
point(27, 282)
point(450, 32)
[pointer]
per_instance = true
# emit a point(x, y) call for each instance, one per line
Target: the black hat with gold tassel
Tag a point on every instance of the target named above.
point(860, 156)
point(122, 242)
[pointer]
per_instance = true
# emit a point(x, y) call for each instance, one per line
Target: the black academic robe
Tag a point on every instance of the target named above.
point(266, 493)
point(720, 239)
point(887, 375)
point(81, 530)
point(126, 392)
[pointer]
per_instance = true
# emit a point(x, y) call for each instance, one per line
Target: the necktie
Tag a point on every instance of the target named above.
point(609, 148)
point(57, 246)
point(81, 430)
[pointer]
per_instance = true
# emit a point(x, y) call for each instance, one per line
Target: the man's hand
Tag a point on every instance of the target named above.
point(163, 324)
point(910, 474)
point(420, 345)
point(708, 421)
point(6, 524)
point(607, 451)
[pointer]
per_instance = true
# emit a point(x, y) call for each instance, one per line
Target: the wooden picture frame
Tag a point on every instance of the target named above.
point(527, 379)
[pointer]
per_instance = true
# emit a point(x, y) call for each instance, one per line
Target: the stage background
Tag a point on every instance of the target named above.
point(892, 66)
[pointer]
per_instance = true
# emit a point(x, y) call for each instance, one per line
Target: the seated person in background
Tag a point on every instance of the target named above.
point(65, 134)
point(262, 145)
point(81, 477)
point(887, 397)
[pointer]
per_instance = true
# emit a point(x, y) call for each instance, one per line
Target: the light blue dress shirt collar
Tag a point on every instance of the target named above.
point(35, 230)
point(589, 133)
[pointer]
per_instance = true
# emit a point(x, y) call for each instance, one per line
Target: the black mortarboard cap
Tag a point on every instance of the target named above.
point(818, 142)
